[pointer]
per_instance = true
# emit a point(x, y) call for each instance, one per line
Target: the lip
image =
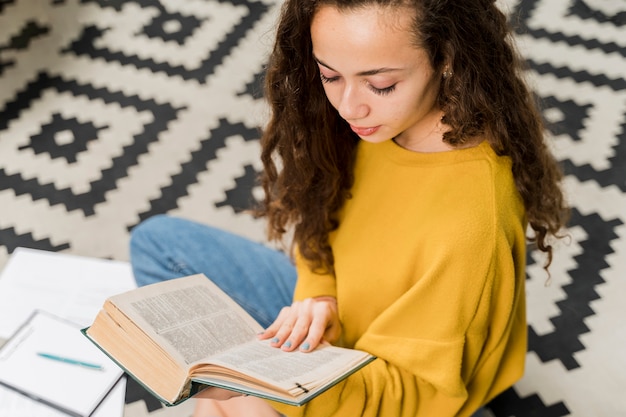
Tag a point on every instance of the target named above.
point(364, 131)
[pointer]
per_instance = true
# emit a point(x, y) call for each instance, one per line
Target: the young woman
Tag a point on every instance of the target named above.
point(412, 160)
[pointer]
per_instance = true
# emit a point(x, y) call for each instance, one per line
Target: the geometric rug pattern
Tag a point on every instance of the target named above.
point(112, 111)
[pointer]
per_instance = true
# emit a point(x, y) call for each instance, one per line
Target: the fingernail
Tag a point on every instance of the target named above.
point(305, 346)
point(275, 340)
point(287, 344)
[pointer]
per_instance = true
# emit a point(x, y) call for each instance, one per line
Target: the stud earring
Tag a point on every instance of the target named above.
point(447, 73)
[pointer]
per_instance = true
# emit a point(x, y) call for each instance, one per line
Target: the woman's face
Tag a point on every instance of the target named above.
point(379, 81)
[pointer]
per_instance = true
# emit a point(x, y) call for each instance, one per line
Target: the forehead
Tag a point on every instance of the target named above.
point(366, 20)
point(364, 36)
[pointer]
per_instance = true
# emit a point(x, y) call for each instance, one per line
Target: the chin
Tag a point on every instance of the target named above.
point(377, 138)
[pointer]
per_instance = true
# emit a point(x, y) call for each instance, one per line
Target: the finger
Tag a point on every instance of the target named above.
point(317, 330)
point(275, 326)
point(300, 330)
point(325, 326)
point(286, 326)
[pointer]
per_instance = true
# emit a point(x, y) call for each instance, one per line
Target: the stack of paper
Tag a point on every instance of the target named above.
point(73, 289)
point(50, 361)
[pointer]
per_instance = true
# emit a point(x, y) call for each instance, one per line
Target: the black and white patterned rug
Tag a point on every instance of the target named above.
point(112, 111)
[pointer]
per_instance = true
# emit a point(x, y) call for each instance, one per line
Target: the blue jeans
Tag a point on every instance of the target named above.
point(258, 278)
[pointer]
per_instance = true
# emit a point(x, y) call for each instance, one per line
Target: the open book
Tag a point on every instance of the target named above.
point(177, 337)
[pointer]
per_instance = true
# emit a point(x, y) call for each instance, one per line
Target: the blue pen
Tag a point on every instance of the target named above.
point(70, 361)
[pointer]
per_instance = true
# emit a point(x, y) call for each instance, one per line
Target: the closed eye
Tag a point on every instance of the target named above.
point(326, 79)
point(380, 91)
point(383, 91)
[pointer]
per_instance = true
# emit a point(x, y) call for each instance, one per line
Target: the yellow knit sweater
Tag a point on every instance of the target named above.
point(429, 277)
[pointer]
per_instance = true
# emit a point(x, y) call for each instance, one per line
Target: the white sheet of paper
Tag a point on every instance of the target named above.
point(69, 286)
point(75, 386)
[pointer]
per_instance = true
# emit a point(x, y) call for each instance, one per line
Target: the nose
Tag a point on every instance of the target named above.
point(352, 106)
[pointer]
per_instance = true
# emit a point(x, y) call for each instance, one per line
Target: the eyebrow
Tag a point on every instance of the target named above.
point(362, 73)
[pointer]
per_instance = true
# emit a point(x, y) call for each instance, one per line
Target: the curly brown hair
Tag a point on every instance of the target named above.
point(308, 150)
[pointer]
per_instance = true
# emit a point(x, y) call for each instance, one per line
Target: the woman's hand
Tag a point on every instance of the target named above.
point(305, 324)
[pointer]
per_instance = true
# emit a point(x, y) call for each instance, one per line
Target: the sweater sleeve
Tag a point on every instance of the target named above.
point(379, 389)
point(311, 284)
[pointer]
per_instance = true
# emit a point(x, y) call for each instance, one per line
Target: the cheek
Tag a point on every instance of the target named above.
point(398, 112)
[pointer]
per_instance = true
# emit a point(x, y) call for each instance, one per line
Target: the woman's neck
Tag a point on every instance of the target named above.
point(429, 138)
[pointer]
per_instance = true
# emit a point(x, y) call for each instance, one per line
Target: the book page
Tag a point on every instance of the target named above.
point(190, 317)
point(295, 372)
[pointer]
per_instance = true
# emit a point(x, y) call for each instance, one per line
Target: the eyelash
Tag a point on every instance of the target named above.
point(380, 91)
